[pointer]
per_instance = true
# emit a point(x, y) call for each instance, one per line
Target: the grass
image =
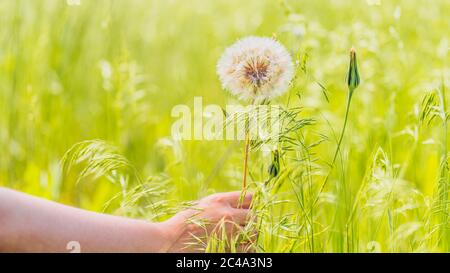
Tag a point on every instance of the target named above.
point(106, 74)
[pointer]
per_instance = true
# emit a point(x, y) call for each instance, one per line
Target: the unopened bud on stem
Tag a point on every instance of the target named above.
point(353, 74)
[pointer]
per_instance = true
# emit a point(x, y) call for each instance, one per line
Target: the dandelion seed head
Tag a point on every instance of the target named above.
point(255, 68)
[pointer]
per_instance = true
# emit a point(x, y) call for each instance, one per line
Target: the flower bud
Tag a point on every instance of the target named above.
point(353, 75)
point(274, 167)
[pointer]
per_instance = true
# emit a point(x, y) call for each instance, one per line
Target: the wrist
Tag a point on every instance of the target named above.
point(149, 237)
point(173, 230)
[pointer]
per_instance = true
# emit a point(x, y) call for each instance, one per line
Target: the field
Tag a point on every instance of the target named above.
point(106, 74)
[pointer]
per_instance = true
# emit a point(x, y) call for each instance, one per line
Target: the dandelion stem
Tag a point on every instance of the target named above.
point(347, 110)
point(341, 137)
point(246, 151)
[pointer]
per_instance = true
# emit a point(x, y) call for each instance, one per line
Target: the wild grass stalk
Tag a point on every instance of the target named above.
point(443, 188)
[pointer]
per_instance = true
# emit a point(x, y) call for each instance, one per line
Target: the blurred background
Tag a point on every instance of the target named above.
point(112, 70)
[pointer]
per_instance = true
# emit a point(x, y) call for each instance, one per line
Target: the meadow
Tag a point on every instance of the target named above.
point(87, 88)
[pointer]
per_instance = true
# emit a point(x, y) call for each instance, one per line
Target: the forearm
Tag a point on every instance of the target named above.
point(30, 224)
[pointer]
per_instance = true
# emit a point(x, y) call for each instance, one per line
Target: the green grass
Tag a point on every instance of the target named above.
point(111, 71)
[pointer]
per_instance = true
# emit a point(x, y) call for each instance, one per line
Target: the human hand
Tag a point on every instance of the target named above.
point(212, 215)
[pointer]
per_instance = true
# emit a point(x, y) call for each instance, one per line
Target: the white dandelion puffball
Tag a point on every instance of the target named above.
point(255, 68)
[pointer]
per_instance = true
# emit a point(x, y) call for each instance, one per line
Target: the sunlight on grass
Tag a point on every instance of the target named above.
point(105, 74)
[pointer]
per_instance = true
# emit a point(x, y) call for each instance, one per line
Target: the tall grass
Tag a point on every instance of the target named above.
point(105, 74)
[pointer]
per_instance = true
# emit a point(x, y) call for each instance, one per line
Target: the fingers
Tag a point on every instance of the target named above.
point(237, 199)
point(231, 220)
point(239, 216)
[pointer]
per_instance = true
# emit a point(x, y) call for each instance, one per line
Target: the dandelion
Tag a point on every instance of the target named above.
point(255, 68)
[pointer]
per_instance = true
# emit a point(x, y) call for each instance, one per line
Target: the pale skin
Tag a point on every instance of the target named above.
point(31, 224)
